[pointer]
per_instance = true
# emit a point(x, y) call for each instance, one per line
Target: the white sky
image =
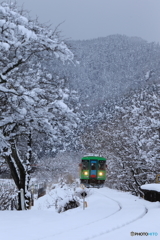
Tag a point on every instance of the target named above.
point(87, 19)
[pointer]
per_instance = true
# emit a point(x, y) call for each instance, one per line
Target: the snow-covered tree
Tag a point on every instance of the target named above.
point(32, 100)
point(129, 138)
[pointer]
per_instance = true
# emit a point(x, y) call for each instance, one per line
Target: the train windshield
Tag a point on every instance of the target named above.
point(102, 165)
point(85, 164)
point(93, 165)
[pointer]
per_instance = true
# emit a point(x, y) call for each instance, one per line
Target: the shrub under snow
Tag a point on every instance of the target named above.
point(62, 197)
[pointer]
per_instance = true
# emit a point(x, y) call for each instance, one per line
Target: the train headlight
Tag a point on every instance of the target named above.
point(85, 173)
point(100, 173)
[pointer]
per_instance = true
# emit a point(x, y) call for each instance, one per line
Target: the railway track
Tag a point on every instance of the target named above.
point(98, 228)
point(120, 225)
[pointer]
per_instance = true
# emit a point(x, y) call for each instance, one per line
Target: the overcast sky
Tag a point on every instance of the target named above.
point(87, 19)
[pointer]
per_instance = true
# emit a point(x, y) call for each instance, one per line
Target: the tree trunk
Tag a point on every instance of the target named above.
point(20, 174)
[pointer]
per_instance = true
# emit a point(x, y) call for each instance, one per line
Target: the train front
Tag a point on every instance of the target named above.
point(93, 171)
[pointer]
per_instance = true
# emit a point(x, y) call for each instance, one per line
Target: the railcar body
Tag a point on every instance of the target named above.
point(93, 171)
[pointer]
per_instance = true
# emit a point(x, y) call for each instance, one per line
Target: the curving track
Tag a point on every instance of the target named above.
point(127, 216)
point(112, 214)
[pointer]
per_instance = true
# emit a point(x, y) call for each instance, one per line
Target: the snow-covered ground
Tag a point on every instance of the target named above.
point(110, 215)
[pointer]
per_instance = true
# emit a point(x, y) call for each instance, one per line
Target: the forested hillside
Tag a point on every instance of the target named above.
point(117, 81)
point(107, 68)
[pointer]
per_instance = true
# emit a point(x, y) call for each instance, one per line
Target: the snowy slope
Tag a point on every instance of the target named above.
point(110, 215)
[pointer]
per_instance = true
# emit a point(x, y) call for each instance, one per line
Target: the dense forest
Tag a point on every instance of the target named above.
point(107, 68)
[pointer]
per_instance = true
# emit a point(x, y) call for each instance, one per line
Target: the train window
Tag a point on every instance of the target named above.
point(93, 166)
point(85, 164)
point(101, 165)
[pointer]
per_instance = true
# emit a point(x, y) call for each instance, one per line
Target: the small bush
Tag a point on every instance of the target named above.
point(68, 203)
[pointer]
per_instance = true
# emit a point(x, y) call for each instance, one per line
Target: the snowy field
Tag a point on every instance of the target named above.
point(110, 215)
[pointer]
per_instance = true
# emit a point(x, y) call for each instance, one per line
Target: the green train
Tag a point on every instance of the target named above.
point(93, 171)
